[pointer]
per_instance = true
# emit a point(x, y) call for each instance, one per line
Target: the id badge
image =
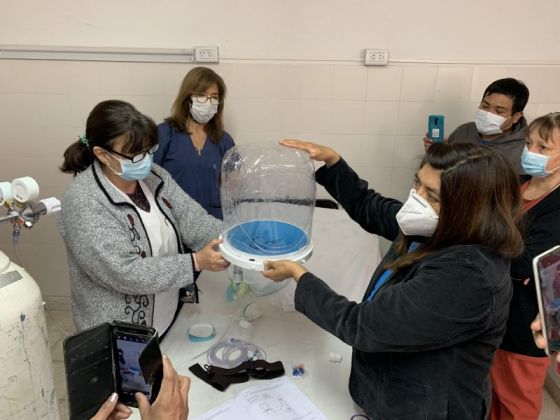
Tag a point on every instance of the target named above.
point(189, 294)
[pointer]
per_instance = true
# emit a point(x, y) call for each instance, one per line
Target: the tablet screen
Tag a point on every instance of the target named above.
point(548, 266)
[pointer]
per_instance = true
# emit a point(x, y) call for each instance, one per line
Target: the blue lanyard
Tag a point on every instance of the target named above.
point(380, 282)
point(387, 273)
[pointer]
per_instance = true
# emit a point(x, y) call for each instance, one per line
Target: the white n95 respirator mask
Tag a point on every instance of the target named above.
point(416, 217)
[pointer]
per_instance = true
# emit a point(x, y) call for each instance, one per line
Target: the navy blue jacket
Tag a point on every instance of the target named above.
point(423, 346)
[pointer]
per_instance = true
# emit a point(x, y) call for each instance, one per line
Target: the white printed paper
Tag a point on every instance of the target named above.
point(277, 400)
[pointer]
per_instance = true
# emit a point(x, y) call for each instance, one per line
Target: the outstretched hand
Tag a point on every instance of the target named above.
point(316, 151)
point(283, 269)
point(209, 258)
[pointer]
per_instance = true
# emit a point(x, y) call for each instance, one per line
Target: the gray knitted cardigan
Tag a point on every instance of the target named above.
point(112, 273)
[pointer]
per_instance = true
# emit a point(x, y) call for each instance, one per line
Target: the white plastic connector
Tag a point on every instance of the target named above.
point(376, 57)
point(206, 55)
point(52, 204)
point(335, 357)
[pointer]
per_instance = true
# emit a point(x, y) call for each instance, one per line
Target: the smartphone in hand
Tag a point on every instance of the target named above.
point(546, 268)
point(436, 128)
point(111, 357)
point(140, 365)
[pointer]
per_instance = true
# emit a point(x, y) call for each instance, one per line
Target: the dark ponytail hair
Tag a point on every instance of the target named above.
point(107, 121)
point(77, 157)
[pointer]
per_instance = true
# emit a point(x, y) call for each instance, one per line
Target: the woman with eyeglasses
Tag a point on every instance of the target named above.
point(192, 139)
point(124, 222)
point(520, 367)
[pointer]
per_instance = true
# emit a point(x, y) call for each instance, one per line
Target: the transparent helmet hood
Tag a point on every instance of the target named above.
point(268, 199)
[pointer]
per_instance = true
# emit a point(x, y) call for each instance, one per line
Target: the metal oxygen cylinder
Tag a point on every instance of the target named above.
point(26, 381)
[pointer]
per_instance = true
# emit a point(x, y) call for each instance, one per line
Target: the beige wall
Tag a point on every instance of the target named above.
point(513, 30)
point(292, 68)
point(374, 116)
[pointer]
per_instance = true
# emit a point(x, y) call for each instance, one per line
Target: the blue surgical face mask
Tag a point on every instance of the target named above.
point(134, 171)
point(534, 164)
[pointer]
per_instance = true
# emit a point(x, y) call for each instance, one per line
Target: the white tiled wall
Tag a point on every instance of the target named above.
point(375, 117)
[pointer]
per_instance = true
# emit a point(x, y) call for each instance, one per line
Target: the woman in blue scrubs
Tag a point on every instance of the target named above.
point(192, 140)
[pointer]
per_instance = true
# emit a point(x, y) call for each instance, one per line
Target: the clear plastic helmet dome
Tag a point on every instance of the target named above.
point(268, 199)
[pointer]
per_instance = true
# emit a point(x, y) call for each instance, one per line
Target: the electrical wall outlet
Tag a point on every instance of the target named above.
point(206, 55)
point(375, 57)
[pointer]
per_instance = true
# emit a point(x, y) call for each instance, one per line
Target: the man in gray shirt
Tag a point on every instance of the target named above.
point(499, 121)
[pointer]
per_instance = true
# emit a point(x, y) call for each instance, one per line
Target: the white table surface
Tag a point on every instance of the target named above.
point(344, 256)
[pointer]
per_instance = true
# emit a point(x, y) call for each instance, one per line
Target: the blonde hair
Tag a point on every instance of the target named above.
point(546, 125)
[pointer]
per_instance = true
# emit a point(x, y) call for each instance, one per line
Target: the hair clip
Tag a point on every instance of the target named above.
point(84, 140)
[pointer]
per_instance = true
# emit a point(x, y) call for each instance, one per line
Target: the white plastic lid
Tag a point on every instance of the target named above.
point(201, 332)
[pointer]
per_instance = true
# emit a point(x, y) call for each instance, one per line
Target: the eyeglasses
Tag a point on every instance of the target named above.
point(137, 157)
point(202, 99)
